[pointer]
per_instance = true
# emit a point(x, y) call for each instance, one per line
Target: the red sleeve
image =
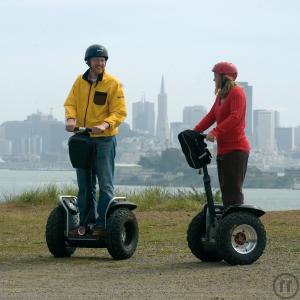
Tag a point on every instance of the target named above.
point(237, 108)
point(207, 121)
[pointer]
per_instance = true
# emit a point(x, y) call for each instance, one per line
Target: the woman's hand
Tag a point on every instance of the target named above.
point(210, 137)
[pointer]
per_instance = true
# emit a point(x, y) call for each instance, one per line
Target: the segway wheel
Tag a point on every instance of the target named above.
point(241, 238)
point(55, 238)
point(122, 233)
point(195, 232)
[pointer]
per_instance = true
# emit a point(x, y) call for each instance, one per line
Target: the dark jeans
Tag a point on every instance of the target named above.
point(232, 169)
point(103, 171)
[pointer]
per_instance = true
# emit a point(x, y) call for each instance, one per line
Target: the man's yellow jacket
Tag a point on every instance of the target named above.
point(92, 104)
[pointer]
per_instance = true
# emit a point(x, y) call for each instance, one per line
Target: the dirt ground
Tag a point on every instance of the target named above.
point(162, 267)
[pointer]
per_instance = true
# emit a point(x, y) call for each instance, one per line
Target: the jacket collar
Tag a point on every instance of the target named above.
point(101, 76)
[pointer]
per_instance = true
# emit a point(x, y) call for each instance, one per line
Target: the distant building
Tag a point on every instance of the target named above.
point(277, 119)
point(297, 137)
point(264, 130)
point(285, 138)
point(38, 134)
point(5, 147)
point(192, 115)
point(249, 110)
point(175, 129)
point(143, 117)
point(162, 124)
point(2, 133)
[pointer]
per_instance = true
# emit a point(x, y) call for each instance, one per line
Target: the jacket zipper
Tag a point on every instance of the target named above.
point(87, 106)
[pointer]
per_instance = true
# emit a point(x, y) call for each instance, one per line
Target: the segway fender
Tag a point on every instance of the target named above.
point(246, 208)
point(118, 202)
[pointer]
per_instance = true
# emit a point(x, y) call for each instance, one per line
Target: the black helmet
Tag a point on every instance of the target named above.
point(95, 51)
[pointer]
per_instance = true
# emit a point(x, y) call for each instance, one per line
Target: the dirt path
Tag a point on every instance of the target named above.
point(162, 268)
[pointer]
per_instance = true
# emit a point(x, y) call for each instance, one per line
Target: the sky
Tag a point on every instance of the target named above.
point(43, 44)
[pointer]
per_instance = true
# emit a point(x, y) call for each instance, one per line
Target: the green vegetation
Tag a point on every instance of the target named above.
point(162, 254)
point(152, 198)
point(46, 195)
point(162, 234)
point(163, 219)
point(172, 170)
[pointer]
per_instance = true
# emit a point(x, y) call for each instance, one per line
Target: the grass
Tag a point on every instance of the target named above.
point(152, 198)
point(46, 195)
point(162, 233)
point(163, 219)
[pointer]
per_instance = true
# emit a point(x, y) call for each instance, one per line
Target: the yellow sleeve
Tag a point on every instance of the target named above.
point(70, 103)
point(116, 106)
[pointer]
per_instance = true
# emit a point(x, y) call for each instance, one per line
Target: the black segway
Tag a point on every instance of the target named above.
point(234, 233)
point(121, 226)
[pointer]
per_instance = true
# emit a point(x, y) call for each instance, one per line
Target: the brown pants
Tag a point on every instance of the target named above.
point(231, 171)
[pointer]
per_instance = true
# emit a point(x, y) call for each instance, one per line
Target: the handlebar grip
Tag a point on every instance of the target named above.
point(82, 129)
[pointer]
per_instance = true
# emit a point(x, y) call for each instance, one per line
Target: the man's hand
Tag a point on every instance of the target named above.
point(210, 137)
point(100, 128)
point(70, 125)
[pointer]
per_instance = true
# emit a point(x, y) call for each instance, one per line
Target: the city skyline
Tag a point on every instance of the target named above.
point(41, 137)
point(129, 121)
point(263, 128)
point(60, 117)
point(43, 44)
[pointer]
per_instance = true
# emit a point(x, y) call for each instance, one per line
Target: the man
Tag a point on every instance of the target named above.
point(96, 101)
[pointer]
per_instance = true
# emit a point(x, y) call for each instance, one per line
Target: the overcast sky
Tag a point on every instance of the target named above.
point(43, 43)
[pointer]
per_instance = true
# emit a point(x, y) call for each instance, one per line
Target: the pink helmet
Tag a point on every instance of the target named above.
point(226, 68)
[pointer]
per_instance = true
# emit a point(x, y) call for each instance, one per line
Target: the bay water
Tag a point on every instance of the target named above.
point(15, 181)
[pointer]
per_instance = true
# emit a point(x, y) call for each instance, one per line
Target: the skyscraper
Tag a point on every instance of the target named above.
point(249, 110)
point(192, 115)
point(285, 138)
point(264, 130)
point(297, 137)
point(143, 118)
point(277, 119)
point(162, 125)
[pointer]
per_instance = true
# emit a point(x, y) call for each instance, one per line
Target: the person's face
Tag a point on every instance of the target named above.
point(217, 80)
point(97, 64)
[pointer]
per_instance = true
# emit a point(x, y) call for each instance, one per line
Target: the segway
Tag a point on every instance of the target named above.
point(121, 226)
point(234, 233)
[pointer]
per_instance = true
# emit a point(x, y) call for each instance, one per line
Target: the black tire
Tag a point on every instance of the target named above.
point(55, 238)
point(120, 221)
point(195, 232)
point(226, 239)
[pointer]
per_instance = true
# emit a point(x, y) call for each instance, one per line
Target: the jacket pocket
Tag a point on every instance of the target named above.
point(100, 98)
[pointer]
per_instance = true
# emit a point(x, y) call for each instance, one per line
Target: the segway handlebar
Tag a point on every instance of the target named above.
point(82, 129)
point(203, 135)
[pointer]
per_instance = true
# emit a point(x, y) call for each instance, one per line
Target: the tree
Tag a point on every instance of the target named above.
point(149, 162)
point(171, 160)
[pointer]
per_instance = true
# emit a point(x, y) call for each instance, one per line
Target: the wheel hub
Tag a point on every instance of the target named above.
point(244, 239)
point(240, 238)
point(123, 236)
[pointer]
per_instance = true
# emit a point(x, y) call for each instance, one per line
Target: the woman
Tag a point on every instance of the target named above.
point(229, 112)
